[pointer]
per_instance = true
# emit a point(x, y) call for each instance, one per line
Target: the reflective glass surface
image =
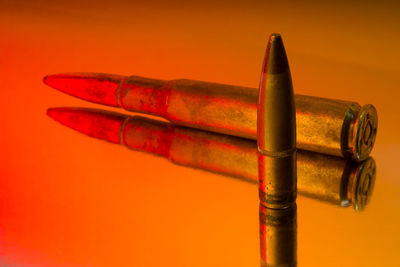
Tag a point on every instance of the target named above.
point(190, 198)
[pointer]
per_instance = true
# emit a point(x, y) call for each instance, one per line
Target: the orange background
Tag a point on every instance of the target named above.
point(70, 200)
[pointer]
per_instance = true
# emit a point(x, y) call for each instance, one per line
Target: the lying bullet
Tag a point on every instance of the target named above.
point(276, 125)
point(278, 236)
point(334, 127)
point(326, 178)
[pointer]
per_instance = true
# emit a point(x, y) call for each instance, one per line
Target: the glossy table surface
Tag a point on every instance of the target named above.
point(70, 200)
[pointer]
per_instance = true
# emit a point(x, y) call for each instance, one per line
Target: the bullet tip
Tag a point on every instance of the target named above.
point(95, 87)
point(51, 112)
point(95, 123)
point(275, 59)
point(274, 36)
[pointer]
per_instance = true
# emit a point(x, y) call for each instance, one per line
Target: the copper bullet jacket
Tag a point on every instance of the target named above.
point(278, 236)
point(326, 178)
point(276, 125)
point(335, 127)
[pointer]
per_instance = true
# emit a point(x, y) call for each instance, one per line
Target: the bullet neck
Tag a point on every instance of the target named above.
point(144, 95)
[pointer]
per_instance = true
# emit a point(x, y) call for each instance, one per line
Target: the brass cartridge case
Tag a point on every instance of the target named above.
point(278, 236)
point(334, 127)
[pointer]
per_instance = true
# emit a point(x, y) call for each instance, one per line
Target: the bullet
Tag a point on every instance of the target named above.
point(278, 236)
point(325, 178)
point(328, 126)
point(276, 124)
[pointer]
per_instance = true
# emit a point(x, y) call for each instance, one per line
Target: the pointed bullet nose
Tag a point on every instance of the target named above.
point(45, 80)
point(275, 59)
point(276, 120)
point(53, 113)
point(95, 123)
point(95, 87)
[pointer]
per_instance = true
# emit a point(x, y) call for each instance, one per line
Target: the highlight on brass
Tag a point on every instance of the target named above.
point(278, 236)
point(329, 126)
point(276, 124)
point(326, 178)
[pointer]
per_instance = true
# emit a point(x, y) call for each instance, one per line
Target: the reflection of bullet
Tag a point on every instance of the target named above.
point(334, 127)
point(326, 178)
point(276, 126)
point(278, 236)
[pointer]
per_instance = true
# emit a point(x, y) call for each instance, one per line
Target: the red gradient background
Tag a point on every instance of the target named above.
point(70, 200)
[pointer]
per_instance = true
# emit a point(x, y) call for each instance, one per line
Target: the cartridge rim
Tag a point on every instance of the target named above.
point(365, 129)
point(363, 184)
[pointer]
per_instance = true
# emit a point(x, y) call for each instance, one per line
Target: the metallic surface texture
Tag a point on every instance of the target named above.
point(326, 178)
point(334, 127)
point(334, 180)
point(70, 199)
point(276, 125)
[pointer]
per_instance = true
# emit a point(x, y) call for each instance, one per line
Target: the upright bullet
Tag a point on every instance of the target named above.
point(276, 124)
